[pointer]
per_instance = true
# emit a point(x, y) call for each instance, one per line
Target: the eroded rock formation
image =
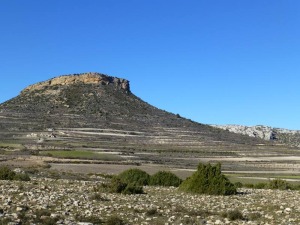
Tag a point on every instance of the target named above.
point(86, 78)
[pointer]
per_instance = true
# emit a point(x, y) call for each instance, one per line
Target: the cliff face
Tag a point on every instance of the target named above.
point(85, 78)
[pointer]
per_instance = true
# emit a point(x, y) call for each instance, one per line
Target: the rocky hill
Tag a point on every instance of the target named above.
point(284, 136)
point(96, 112)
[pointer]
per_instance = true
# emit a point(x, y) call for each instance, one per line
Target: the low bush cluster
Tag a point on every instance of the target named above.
point(273, 184)
point(164, 178)
point(233, 215)
point(8, 174)
point(134, 176)
point(116, 185)
point(208, 179)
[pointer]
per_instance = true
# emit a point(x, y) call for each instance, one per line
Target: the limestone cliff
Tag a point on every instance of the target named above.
point(86, 78)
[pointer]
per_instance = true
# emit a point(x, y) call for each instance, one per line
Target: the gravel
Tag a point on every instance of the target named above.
point(72, 202)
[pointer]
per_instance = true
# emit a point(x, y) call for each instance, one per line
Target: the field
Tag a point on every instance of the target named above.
point(79, 154)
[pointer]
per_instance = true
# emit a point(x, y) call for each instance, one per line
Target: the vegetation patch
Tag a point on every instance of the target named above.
point(116, 185)
point(208, 179)
point(279, 184)
point(164, 178)
point(233, 215)
point(135, 177)
point(8, 174)
point(78, 154)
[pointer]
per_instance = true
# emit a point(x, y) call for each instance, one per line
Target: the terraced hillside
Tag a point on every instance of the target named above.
point(96, 112)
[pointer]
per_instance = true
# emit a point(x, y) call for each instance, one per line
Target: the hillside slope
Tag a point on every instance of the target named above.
point(93, 111)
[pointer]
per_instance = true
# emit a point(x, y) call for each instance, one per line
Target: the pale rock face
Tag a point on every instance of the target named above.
point(263, 132)
point(86, 78)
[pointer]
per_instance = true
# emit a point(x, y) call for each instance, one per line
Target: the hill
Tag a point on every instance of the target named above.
point(99, 113)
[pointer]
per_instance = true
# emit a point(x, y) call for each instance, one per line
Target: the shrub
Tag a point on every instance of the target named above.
point(135, 176)
point(133, 189)
point(163, 178)
point(118, 186)
point(238, 184)
point(279, 184)
point(208, 179)
point(234, 215)
point(151, 212)
point(7, 174)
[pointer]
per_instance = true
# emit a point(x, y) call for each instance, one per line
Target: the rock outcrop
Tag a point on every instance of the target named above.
point(285, 136)
point(85, 78)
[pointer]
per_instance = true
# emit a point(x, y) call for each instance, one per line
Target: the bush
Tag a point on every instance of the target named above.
point(133, 189)
point(7, 174)
point(208, 179)
point(233, 215)
point(238, 184)
point(279, 184)
point(118, 186)
point(163, 178)
point(135, 176)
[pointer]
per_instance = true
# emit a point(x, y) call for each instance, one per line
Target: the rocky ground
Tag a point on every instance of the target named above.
point(59, 201)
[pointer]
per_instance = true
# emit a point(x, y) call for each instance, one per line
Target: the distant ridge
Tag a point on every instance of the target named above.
point(285, 136)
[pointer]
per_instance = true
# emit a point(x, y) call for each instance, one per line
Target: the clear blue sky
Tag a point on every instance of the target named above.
point(213, 61)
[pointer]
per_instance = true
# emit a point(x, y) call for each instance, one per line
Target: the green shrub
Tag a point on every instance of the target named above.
point(135, 176)
point(7, 174)
point(133, 189)
point(163, 178)
point(279, 184)
point(234, 215)
point(118, 186)
point(238, 184)
point(208, 179)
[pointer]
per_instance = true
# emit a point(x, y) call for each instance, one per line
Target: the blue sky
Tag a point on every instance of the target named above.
point(215, 62)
